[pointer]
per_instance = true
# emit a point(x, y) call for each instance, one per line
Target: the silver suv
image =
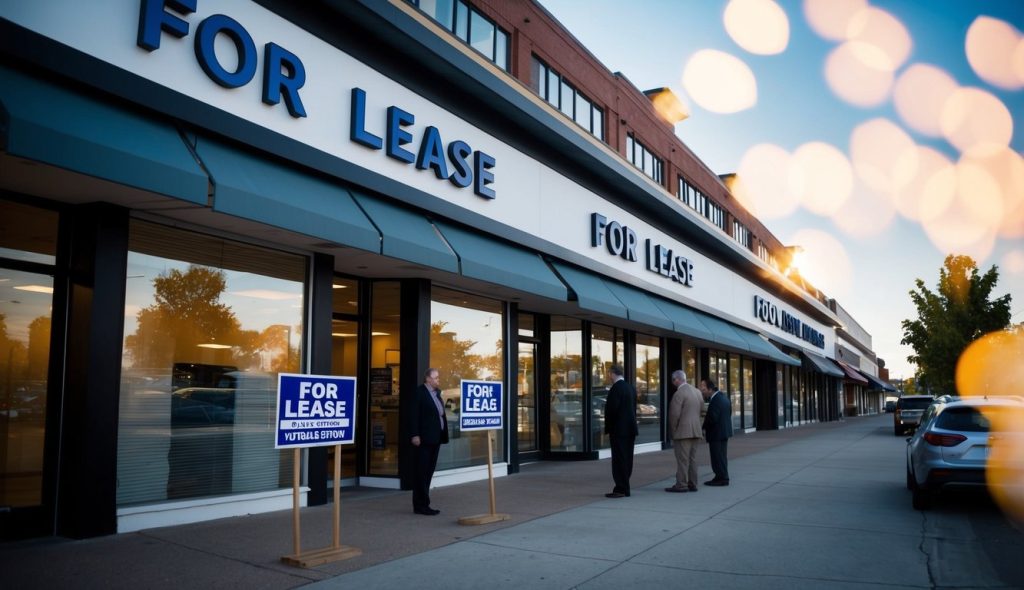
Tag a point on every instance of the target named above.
point(907, 414)
point(951, 447)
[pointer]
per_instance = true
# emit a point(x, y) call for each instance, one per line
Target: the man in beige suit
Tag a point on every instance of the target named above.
point(685, 427)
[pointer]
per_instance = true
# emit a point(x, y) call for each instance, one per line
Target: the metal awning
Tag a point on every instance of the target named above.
point(407, 235)
point(639, 306)
point(761, 347)
point(723, 333)
point(851, 373)
point(684, 320)
point(251, 187)
point(590, 292)
point(45, 123)
point(876, 383)
point(816, 362)
point(489, 259)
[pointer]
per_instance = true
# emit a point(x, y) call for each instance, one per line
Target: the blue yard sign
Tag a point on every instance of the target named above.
point(481, 406)
point(315, 411)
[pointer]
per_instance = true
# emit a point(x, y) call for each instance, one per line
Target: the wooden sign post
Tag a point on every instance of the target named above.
point(315, 410)
point(480, 409)
point(493, 516)
point(337, 551)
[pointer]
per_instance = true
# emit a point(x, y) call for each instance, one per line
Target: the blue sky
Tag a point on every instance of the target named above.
point(652, 40)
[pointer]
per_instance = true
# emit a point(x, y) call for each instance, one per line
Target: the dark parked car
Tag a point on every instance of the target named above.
point(952, 446)
point(909, 409)
point(890, 406)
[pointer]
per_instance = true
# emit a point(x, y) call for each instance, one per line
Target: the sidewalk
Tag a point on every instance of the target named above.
point(562, 530)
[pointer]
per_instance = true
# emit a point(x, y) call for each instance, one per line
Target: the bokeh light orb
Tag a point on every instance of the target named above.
point(765, 184)
point(970, 223)
point(831, 18)
point(758, 26)
point(990, 45)
point(852, 77)
point(877, 28)
point(931, 189)
point(919, 95)
point(824, 177)
point(883, 155)
point(719, 82)
point(976, 121)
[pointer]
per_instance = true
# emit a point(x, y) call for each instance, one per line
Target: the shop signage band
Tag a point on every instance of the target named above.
point(621, 241)
point(283, 77)
point(770, 313)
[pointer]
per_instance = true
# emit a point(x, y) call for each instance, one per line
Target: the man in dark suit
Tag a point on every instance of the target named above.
point(620, 424)
point(717, 430)
point(428, 427)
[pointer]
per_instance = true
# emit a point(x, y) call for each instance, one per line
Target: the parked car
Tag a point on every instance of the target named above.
point(890, 406)
point(951, 448)
point(907, 414)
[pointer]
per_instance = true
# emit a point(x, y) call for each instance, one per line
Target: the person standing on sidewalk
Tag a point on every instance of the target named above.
point(620, 425)
point(685, 426)
point(717, 430)
point(428, 427)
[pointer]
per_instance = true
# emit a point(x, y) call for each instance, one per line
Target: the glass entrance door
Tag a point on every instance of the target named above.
point(25, 302)
point(527, 402)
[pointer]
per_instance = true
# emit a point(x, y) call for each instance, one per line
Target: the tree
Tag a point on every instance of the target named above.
point(452, 357)
point(949, 319)
point(187, 312)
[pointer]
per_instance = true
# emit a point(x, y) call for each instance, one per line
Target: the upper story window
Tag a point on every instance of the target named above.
point(741, 234)
point(552, 87)
point(470, 25)
point(765, 254)
point(644, 159)
point(716, 214)
point(700, 203)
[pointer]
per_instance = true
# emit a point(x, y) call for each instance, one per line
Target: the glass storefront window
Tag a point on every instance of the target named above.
point(690, 364)
point(606, 349)
point(566, 384)
point(648, 388)
point(748, 393)
point(209, 324)
point(27, 234)
point(345, 330)
point(465, 343)
point(385, 344)
point(735, 391)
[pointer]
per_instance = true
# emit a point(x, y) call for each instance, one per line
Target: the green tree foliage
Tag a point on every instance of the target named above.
point(956, 314)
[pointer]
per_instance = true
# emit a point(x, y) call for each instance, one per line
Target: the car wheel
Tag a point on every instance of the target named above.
point(897, 432)
point(922, 500)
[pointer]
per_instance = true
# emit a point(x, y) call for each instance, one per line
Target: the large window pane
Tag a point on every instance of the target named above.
point(582, 112)
point(567, 101)
point(385, 344)
point(648, 388)
point(553, 88)
point(465, 343)
point(735, 391)
point(501, 49)
point(461, 20)
point(566, 384)
point(208, 326)
point(748, 393)
point(439, 10)
point(481, 34)
point(598, 126)
point(606, 349)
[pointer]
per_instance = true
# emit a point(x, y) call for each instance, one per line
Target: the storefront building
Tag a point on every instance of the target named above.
point(197, 196)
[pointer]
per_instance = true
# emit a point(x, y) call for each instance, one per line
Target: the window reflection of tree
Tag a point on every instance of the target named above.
point(452, 357)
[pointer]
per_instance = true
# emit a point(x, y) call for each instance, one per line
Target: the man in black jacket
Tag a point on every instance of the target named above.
point(428, 427)
point(717, 430)
point(620, 424)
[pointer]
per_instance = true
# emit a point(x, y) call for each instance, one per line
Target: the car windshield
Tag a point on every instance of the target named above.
point(914, 404)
